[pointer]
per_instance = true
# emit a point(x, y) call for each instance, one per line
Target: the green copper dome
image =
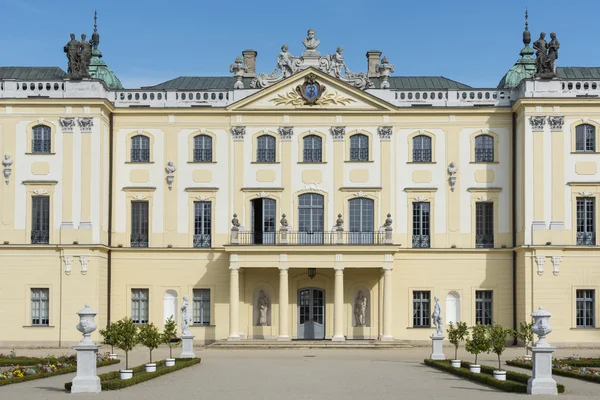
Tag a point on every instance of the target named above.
point(524, 68)
point(98, 68)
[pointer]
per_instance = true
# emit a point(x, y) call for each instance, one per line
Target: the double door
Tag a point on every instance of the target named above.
point(311, 314)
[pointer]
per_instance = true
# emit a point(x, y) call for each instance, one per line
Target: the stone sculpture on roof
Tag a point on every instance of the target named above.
point(79, 55)
point(546, 56)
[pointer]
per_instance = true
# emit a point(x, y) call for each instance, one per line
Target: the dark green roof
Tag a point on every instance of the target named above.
point(32, 73)
point(420, 82)
point(578, 72)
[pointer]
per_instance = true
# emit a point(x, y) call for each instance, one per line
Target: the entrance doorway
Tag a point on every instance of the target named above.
point(311, 314)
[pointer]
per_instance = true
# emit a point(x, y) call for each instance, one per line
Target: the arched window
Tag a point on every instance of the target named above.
point(359, 147)
point(265, 151)
point(41, 139)
point(202, 148)
point(585, 138)
point(313, 149)
point(140, 148)
point(484, 148)
point(310, 218)
point(361, 220)
point(421, 148)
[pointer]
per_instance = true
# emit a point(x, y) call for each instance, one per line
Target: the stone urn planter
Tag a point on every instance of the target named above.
point(126, 374)
point(151, 367)
point(475, 368)
point(500, 375)
point(455, 363)
point(112, 356)
point(170, 362)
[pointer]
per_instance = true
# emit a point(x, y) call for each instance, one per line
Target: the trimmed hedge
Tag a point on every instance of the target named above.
point(26, 361)
point(515, 383)
point(61, 371)
point(594, 363)
point(112, 380)
point(558, 371)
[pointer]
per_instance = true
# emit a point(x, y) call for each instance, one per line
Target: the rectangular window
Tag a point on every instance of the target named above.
point(201, 307)
point(139, 224)
point(585, 308)
point(421, 309)
point(139, 306)
point(586, 229)
point(421, 225)
point(484, 225)
point(40, 314)
point(483, 307)
point(40, 221)
point(202, 223)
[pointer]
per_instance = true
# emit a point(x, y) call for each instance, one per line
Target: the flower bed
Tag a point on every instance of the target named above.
point(514, 383)
point(563, 369)
point(112, 380)
point(29, 368)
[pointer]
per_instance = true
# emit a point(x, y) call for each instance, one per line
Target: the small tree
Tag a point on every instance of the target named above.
point(170, 335)
point(150, 337)
point(497, 336)
point(525, 335)
point(126, 333)
point(479, 341)
point(109, 337)
point(457, 334)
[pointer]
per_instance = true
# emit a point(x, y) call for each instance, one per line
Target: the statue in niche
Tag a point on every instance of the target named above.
point(285, 61)
point(186, 317)
point(311, 43)
point(437, 317)
point(360, 309)
point(263, 309)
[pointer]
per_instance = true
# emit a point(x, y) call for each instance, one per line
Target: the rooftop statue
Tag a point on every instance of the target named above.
point(285, 62)
point(79, 55)
point(311, 43)
point(546, 56)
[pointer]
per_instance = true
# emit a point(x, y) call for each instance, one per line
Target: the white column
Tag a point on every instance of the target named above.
point(338, 306)
point(283, 304)
point(234, 303)
point(387, 304)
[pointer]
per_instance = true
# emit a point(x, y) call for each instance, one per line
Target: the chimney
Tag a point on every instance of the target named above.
point(250, 62)
point(373, 57)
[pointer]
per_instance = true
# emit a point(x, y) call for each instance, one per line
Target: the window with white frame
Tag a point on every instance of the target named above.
point(421, 309)
point(139, 306)
point(585, 138)
point(265, 150)
point(421, 149)
point(41, 140)
point(586, 226)
point(484, 307)
point(359, 147)
point(484, 225)
point(202, 148)
point(585, 317)
point(421, 225)
point(201, 307)
point(202, 223)
point(139, 224)
point(484, 148)
point(140, 149)
point(313, 149)
point(40, 307)
point(40, 220)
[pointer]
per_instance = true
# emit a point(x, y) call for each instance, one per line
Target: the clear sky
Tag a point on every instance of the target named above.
point(147, 42)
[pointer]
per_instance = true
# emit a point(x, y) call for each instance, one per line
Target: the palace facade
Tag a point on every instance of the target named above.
point(310, 203)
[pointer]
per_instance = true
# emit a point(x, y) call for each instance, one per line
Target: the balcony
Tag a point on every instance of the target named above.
point(40, 237)
point(293, 238)
point(421, 242)
point(202, 241)
point(484, 241)
point(139, 240)
point(586, 238)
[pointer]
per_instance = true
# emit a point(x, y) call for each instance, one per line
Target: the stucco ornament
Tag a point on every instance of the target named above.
point(338, 132)
point(85, 124)
point(385, 132)
point(452, 170)
point(360, 309)
point(586, 193)
point(84, 260)
point(556, 123)
point(540, 264)
point(361, 194)
point(186, 317)
point(238, 132)
point(263, 194)
point(286, 132)
point(139, 197)
point(263, 309)
point(385, 69)
point(556, 264)
point(238, 69)
point(484, 198)
point(537, 123)
point(437, 317)
point(67, 124)
point(68, 262)
point(170, 169)
point(40, 192)
point(7, 162)
point(86, 324)
point(421, 199)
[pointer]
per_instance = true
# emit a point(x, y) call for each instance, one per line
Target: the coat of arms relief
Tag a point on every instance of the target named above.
point(312, 93)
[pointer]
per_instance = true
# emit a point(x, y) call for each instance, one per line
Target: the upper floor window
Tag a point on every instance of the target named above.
point(484, 307)
point(40, 308)
point(421, 148)
point(421, 225)
point(202, 223)
point(265, 151)
point(361, 221)
point(310, 218)
point(139, 306)
point(140, 148)
point(484, 148)
point(41, 139)
point(484, 225)
point(585, 317)
point(313, 149)
point(586, 227)
point(202, 148)
point(40, 219)
point(585, 138)
point(359, 147)
point(139, 224)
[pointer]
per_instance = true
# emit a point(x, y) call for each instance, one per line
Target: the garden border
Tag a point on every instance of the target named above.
point(558, 371)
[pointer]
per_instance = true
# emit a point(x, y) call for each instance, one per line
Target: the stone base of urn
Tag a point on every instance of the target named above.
point(187, 347)
point(499, 375)
point(541, 381)
point(126, 374)
point(151, 367)
point(86, 380)
point(437, 348)
point(112, 356)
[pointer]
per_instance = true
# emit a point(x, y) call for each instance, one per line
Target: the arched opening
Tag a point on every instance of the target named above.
point(170, 305)
point(452, 308)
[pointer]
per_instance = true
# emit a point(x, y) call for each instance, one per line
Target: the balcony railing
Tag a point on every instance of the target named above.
point(421, 241)
point(484, 241)
point(40, 236)
point(202, 240)
point(140, 155)
point(139, 240)
point(311, 238)
point(421, 155)
point(202, 155)
point(586, 238)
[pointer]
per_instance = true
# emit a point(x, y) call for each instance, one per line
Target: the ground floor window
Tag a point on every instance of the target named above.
point(139, 306)
point(201, 307)
point(585, 308)
point(40, 307)
point(483, 307)
point(421, 309)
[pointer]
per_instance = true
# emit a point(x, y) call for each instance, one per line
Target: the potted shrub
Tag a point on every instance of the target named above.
point(170, 339)
point(497, 336)
point(477, 344)
point(126, 334)
point(525, 334)
point(457, 334)
point(109, 339)
point(151, 338)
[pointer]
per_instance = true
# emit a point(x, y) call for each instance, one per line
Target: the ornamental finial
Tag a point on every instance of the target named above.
point(95, 41)
point(526, 34)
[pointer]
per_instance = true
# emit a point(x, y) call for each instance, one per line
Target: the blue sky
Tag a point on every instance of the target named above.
point(147, 42)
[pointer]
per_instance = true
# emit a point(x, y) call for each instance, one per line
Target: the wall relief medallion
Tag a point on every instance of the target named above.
point(312, 93)
point(310, 90)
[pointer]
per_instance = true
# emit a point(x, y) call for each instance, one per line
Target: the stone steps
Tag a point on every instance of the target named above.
point(308, 344)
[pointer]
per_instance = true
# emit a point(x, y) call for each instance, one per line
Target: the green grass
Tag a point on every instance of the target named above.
point(61, 371)
point(112, 380)
point(514, 383)
point(560, 372)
